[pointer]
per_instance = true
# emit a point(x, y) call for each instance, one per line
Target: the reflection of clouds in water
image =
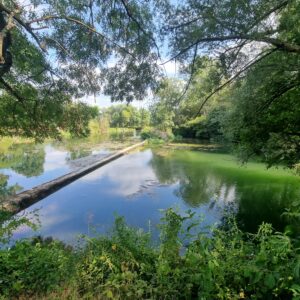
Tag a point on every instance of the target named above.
point(23, 229)
point(227, 194)
point(30, 215)
point(52, 215)
point(147, 188)
point(54, 159)
point(49, 216)
point(130, 176)
point(224, 198)
point(130, 180)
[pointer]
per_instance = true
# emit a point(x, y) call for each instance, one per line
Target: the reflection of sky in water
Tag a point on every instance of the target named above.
point(127, 187)
point(56, 163)
point(137, 186)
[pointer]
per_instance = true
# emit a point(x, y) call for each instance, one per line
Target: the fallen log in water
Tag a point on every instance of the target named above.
point(24, 199)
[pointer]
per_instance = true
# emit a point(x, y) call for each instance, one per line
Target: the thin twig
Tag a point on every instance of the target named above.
point(191, 76)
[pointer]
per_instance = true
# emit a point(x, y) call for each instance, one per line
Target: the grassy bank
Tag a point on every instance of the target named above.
point(187, 264)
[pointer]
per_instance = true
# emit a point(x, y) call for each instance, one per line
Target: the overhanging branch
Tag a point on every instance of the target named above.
point(82, 24)
point(11, 91)
point(249, 65)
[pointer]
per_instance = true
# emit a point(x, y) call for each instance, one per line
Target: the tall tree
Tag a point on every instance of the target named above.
point(258, 46)
point(53, 51)
point(239, 33)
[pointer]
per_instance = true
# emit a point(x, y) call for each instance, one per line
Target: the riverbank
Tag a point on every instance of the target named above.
point(228, 264)
point(121, 262)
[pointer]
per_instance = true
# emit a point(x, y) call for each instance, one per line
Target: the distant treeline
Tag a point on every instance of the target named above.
point(125, 116)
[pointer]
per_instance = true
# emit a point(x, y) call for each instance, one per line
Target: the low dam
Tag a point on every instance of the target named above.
point(26, 198)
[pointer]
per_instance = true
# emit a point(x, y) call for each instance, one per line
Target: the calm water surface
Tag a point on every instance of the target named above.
point(140, 184)
point(29, 165)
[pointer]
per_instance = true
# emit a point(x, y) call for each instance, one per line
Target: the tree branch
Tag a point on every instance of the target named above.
point(279, 93)
point(78, 22)
point(265, 15)
point(132, 17)
point(279, 44)
point(249, 65)
point(24, 25)
point(191, 76)
point(258, 37)
point(10, 90)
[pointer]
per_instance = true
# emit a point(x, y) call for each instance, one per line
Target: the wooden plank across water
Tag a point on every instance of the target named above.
point(25, 199)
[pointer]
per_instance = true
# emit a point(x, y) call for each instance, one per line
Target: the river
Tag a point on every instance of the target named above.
point(141, 184)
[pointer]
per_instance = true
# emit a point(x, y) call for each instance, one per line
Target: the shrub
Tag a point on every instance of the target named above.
point(187, 264)
point(153, 133)
point(33, 267)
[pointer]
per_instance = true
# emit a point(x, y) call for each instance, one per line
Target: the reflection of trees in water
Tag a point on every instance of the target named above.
point(201, 187)
point(120, 134)
point(79, 153)
point(197, 185)
point(5, 189)
point(257, 199)
point(27, 159)
point(165, 168)
point(265, 204)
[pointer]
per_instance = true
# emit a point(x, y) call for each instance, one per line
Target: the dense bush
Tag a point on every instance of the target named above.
point(34, 267)
point(153, 133)
point(188, 264)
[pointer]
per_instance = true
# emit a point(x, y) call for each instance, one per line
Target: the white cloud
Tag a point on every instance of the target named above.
point(54, 159)
point(130, 177)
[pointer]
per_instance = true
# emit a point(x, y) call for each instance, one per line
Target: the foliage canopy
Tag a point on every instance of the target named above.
point(56, 51)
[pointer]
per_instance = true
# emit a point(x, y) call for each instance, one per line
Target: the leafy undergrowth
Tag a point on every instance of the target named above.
point(187, 264)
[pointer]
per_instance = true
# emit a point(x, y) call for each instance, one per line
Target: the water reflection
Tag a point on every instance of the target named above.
point(140, 184)
point(7, 190)
point(257, 194)
point(24, 159)
point(30, 164)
